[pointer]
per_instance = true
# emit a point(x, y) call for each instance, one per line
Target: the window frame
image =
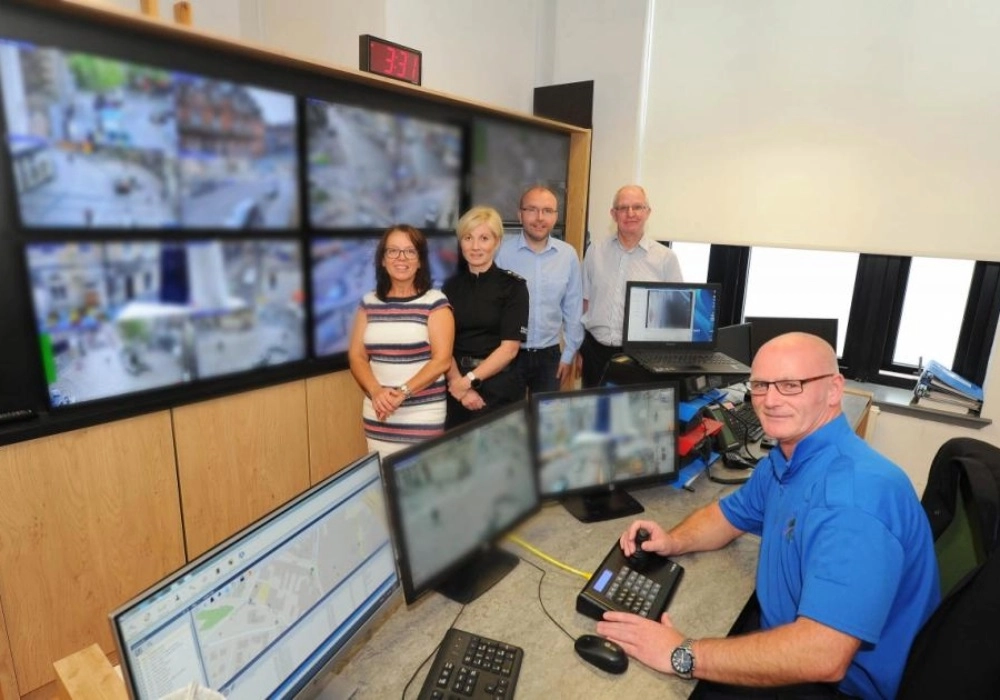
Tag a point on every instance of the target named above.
point(877, 303)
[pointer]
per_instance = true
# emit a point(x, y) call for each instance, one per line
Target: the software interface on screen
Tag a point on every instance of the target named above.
point(591, 439)
point(105, 143)
point(343, 271)
point(681, 315)
point(371, 169)
point(461, 492)
point(261, 614)
point(116, 318)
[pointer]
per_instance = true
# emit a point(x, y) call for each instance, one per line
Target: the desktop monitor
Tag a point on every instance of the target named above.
point(763, 328)
point(451, 498)
point(735, 341)
point(268, 611)
point(591, 445)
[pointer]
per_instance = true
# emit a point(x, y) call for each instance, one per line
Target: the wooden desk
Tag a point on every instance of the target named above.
point(708, 599)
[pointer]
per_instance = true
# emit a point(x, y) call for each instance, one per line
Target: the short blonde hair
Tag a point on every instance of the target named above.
point(480, 215)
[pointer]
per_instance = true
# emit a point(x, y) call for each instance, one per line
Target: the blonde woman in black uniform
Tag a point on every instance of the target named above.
point(491, 321)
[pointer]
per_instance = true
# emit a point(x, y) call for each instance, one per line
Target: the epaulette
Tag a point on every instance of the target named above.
point(512, 274)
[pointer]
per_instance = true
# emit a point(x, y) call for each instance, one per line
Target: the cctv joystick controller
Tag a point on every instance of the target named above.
point(640, 557)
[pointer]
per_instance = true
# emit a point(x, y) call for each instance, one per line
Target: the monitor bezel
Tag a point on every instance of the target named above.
point(614, 486)
point(790, 324)
point(412, 592)
point(389, 602)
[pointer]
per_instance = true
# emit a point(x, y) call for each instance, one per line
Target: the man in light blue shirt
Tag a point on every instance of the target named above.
point(555, 292)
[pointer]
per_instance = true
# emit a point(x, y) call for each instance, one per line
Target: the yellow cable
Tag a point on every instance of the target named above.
point(555, 562)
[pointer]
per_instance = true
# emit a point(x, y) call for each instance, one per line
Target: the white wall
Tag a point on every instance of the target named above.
point(858, 125)
point(604, 41)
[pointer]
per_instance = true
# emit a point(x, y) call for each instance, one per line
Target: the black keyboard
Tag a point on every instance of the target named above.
point(470, 666)
point(686, 358)
point(746, 424)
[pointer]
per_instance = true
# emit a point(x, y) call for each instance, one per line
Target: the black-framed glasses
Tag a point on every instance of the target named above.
point(544, 211)
point(631, 208)
point(785, 387)
point(404, 253)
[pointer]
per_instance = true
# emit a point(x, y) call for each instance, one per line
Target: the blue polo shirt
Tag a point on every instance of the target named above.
point(844, 542)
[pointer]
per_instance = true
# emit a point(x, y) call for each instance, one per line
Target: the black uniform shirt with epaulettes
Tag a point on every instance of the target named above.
point(489, 307)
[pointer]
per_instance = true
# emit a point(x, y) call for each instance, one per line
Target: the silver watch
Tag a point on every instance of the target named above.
point(406, 390)
point(682, 660)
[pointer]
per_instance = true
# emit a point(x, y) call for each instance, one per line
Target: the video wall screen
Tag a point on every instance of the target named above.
point(343, 271)
point(117, 318)
point(371, 169)
point(103, 143)
point(508, 158)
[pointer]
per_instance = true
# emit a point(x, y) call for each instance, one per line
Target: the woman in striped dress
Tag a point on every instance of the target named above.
point(401, 346)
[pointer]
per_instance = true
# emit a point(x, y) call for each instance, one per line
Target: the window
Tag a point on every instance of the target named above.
point(933, 307)
point(802, 284)
point(693, 258)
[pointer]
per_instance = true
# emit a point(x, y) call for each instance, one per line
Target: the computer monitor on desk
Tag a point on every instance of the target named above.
point(592, 444)
point(763, 328)
point(268, 610)
point(451, 498)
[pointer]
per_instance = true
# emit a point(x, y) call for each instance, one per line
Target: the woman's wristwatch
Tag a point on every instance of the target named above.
point(474, 381)
point(406, 391)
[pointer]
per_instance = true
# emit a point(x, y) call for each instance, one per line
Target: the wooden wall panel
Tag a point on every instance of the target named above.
point(578, 188)
point(87, 520)
point(238, 458)
point(336, 435)
point(8, 681)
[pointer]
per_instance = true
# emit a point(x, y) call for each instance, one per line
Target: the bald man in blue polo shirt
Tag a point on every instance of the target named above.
point(847, 573)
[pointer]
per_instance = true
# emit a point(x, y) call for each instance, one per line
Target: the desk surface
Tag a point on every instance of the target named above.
point(707, 601)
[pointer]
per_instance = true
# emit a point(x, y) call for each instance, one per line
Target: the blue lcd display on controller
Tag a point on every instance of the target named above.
point(602, 582)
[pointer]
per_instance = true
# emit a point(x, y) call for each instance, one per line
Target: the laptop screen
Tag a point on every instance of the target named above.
point(664, 315)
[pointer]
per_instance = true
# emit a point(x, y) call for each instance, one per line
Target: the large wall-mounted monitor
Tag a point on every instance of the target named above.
point(268, 610)
point(343, 271)
point(509, 157)
point(593, 444)
point(117, 318)
point(372, 169)
point(103, 143)
point(451, 498)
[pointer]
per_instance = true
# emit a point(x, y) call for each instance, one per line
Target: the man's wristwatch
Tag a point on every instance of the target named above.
point(406, 391)
point(474, 381)
point(682, 660)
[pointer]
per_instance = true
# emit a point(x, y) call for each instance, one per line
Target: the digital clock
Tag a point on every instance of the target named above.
point(390, 60)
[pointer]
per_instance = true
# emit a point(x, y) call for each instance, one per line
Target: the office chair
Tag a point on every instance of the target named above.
point(962, 502)
point(954, 655)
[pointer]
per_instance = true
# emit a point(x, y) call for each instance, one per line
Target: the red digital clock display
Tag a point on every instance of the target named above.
point(390, 60)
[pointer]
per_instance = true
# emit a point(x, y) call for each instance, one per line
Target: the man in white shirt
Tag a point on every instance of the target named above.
point(608, 265)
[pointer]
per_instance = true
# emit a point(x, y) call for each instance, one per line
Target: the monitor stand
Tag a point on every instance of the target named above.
point(607, 505)
point(479, 574)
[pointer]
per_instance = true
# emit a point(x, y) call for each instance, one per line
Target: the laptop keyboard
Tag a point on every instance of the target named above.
point(685, 358)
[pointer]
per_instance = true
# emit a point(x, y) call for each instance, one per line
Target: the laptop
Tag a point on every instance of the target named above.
point(672, 328)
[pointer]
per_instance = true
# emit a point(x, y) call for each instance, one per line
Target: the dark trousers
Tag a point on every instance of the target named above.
point(539, 367)
point(595, 358)
point(749, 621)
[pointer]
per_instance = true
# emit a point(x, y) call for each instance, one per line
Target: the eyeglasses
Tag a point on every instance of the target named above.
point(535, 211)
point(785, 387)
point(404, 253)
point(630, 208)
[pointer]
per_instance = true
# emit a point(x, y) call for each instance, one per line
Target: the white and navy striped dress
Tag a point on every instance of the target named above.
point(398, 345)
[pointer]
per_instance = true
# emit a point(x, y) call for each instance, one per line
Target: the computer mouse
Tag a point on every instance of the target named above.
point(602, 653)
point(640, 556)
